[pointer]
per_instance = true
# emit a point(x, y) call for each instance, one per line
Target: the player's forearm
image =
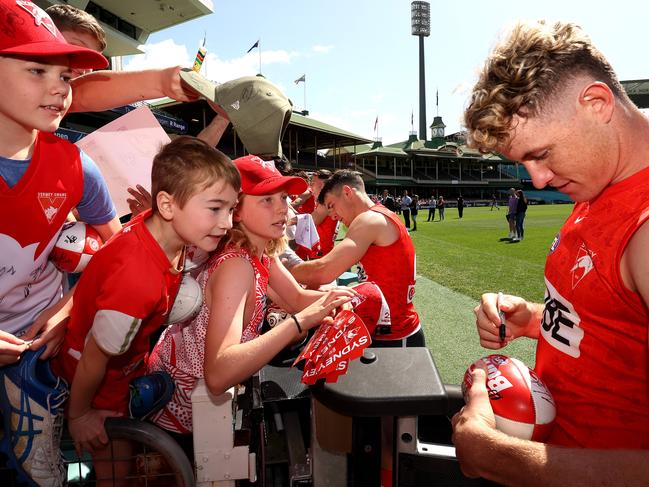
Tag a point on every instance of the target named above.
point(519, 462)
point(103, 90)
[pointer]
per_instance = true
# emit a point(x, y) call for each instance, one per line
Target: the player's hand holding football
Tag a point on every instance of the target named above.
point(323, 308)
point(473, 426)
point(522, 319)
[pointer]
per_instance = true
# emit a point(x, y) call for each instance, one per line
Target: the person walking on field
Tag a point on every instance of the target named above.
point(512, 206)
point(460, 206)
point(431, 208)
point(414, 211)
point(494, 203)
point(521, 208)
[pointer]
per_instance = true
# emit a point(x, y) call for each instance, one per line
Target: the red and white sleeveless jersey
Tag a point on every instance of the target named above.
point(592, 352)
point(31, 216)
point(393, 268)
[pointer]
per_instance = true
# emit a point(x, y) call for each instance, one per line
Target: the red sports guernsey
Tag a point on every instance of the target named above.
point(31, 216)
point(393, 268)
point(592, 352)
point(123, 296)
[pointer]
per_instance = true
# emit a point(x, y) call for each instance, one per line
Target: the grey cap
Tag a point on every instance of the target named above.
point(258, 109)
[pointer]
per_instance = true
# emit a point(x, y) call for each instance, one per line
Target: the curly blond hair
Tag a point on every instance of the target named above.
point(522, 74)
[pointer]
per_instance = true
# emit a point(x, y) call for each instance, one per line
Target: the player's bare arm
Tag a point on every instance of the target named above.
point(364, 231)
point(486, 452)
point(634, 265)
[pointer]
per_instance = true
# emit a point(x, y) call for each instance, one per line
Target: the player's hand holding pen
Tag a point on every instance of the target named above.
point(502, 317)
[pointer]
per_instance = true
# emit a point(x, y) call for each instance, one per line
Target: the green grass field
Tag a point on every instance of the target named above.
point(458, 260)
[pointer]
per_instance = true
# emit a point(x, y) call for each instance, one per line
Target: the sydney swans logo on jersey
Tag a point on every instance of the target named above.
point(583, 265)
point(560, 323)
point(51, 203)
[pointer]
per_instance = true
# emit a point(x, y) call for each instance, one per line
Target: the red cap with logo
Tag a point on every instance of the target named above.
point(259, 177)
point(27, 30)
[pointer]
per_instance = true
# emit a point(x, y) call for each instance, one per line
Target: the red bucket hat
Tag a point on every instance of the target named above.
point(27, 30)
point(259, 177)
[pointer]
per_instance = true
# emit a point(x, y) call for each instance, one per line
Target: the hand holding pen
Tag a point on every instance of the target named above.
point(502, 328)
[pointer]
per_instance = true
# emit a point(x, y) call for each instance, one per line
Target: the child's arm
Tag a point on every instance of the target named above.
point(86, 425)
point(103, 90)
point(227, 360)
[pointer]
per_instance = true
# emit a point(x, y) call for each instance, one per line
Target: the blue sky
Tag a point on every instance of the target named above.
point(361, 61)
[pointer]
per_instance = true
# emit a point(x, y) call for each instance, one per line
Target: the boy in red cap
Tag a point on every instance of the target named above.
point(226, 347)
point(41, 178)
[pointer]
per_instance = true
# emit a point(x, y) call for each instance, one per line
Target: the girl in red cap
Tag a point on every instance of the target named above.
point(226, 347)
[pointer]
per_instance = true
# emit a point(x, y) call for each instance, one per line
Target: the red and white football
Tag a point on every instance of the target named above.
point(521, 402)
point(76, 244)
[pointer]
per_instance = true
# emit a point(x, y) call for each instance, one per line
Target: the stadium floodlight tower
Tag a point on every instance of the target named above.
point(420, 21)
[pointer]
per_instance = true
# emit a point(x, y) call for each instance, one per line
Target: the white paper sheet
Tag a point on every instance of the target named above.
point(124, 151)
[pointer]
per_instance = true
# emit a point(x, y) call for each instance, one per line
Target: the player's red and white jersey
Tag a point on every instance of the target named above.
point(124, 295)
point(31, 216)
point(592, 353)
point(393, 269)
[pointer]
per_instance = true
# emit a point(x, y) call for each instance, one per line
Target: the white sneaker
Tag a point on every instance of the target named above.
point(32, 410)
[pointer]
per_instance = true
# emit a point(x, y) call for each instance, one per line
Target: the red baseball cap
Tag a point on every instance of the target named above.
point(259, 177)
point(27, 30)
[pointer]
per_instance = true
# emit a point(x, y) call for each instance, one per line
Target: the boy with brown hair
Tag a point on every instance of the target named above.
point(72, 21)
point(127, 291)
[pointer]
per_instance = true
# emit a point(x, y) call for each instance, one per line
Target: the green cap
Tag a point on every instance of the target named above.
point(258, 109)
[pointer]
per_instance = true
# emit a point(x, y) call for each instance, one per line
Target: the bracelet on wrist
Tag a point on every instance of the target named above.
point(297, 323)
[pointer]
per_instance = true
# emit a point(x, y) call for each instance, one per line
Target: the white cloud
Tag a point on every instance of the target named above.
point(462, 88)
point(168, 53)
point(322, 49)
point(160, 55)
